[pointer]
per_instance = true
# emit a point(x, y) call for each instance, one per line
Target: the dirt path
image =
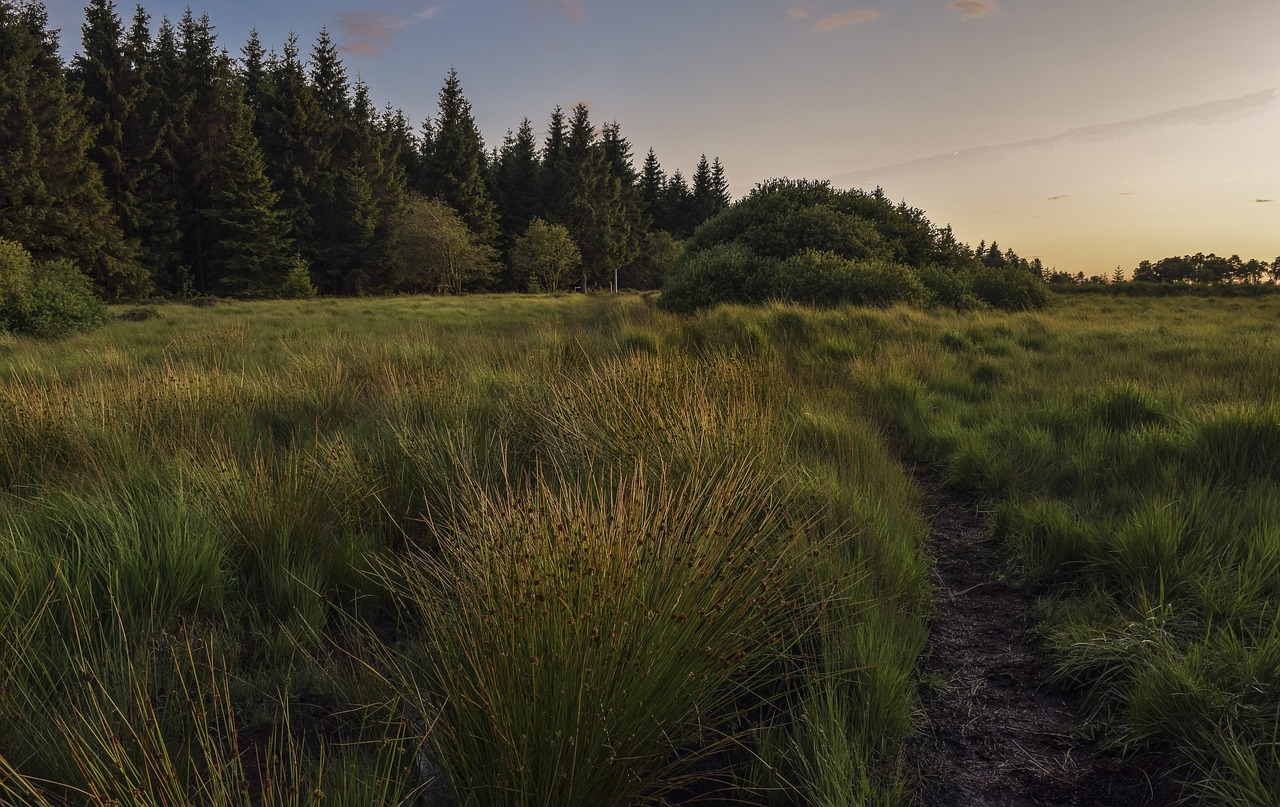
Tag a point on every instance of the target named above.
point(998, 734)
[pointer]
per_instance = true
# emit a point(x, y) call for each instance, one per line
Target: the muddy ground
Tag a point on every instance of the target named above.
point(998, 733)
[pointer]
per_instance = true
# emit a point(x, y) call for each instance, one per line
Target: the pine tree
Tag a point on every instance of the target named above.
point(652, 183)
point(251, 251)
point(517, 186)
point(52, 198)
point(677, 204)
point(156, 143)
point(704, 204)
point(719, 187)
point(340, 190)
point(456, 164)
point(617, 153)
point(557, 170)
point(294, 155)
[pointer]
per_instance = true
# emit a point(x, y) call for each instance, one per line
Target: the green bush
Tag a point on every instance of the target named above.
point(948, 287)
point(726, 273)
point(1009, 288)
point(806, 242)
point(47, 299)
point(881, 283)
point(15, 284)
point(62, 302)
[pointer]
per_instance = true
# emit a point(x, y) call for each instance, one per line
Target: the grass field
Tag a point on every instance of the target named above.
point(558, 551)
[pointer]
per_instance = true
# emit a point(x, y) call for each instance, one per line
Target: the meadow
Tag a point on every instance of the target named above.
point(555, 550)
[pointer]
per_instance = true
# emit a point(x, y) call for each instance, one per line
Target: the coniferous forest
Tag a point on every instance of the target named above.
point(161, 163)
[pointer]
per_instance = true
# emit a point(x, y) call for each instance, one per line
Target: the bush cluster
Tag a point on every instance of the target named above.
point(46, 299)
point(733, 273)
point(806, 242)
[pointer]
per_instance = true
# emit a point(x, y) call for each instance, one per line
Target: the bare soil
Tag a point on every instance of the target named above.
point(999, 734)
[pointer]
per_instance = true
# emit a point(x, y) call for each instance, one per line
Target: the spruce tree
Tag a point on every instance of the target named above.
point(557, 170)
point(254, 78)
point(376, 154)
point(52, 198)
point(339, 189)
point(456, 162)
point(652, 183)
point(603, 213)
point(251, 251)
point(704, 195)
point(677, 206)
point(295, 156)
point(517, 185)
point(719, 187)
point(617, 153)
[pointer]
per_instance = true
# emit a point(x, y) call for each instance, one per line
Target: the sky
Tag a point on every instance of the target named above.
point(1088, 133)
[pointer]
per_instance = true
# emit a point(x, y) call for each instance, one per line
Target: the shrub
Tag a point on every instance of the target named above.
point(947, 287)
point(1009, 288)
point(881, 283)
point(726, 273)
point(140, 313)
point(15, 284)
point(61, 302)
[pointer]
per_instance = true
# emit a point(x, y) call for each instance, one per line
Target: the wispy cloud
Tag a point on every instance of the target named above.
point(972, 9)
point(1227, 109)
point(573, 9)
point(370, 33)
point(1059, 196)
point(838, 21)
point(1127, 193)
point(797, 13)
point(1264, 201)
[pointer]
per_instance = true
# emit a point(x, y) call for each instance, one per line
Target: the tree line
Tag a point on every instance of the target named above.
point(161, 164)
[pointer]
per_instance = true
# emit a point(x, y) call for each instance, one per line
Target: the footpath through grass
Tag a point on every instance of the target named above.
point(1131, 450)
point(539, 551)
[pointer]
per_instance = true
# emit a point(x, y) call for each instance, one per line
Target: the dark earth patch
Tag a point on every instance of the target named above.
point(999, 734)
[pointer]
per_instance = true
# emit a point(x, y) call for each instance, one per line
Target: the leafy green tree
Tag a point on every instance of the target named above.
point(46, 299)
point(659, 251)
point(545, 256)
point(437, 252)
point(15, 284)
point(52, 197)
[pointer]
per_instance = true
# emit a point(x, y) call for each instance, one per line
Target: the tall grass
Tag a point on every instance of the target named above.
point(1129, 454)
point(260, 552)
